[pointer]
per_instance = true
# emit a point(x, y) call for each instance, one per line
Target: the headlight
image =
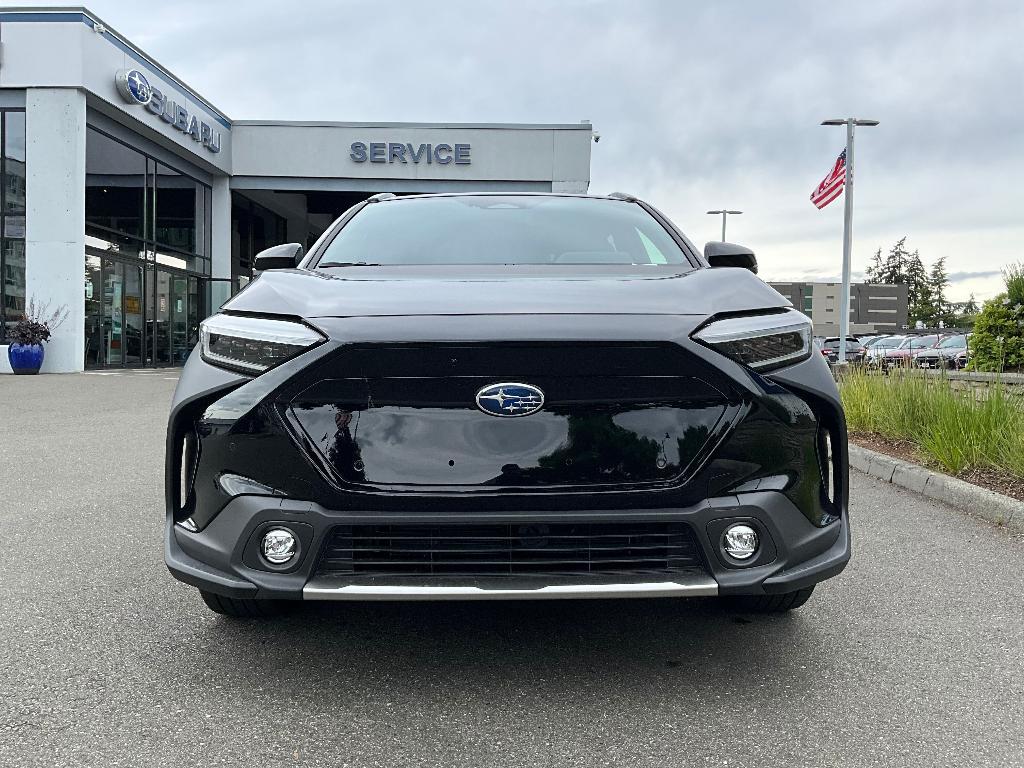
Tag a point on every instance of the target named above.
point(761, 341)
point(253, 344)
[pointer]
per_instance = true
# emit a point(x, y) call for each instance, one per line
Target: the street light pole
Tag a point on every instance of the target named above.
point(724, 213)
point(844, 307)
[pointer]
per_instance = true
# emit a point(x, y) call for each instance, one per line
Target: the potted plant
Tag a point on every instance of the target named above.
point(28, 335)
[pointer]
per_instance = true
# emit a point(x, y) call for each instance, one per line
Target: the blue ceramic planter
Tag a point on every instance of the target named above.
point(25, 358)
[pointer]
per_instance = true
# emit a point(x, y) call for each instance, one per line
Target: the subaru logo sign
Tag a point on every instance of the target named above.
point(135, 89)
point(509, 399)
point(133, 86)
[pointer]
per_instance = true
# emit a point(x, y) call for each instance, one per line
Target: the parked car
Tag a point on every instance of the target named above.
point(854, 350)
point(951, 352)
point(908, 350)
point(877, 352)
point(502, 396)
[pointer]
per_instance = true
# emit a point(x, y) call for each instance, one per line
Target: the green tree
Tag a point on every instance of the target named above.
point(938, 281)
point(892, 270)
point(919, 293)
point(1013, 275)
point(970, 306)
point(873, 274)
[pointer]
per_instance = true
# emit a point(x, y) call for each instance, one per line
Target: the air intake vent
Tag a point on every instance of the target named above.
point(513, 549)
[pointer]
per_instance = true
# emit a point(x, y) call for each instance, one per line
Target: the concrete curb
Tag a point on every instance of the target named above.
point(972, 499)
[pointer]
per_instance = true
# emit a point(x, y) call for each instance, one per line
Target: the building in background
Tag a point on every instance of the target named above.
point(132, 200)
point(873, 308)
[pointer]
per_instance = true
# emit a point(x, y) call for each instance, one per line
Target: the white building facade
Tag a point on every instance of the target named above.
point(138, 205)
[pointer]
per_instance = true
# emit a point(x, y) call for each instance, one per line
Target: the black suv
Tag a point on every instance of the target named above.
point(494, 396)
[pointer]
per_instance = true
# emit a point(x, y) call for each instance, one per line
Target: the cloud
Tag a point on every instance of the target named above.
point(959, 277)
point(699, 105)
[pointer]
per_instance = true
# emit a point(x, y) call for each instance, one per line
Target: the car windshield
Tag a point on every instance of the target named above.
point(834, 344)
point(889, 343)
point(919, 341)
point(954, 341)
point(500, 229)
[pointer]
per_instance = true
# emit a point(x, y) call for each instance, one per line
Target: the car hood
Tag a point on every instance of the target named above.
point(504, 290)
point(944, 352)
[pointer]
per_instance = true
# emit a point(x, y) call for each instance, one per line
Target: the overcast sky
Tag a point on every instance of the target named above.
point(699, 104)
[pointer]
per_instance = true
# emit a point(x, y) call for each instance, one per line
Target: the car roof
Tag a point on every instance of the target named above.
point(620, 197)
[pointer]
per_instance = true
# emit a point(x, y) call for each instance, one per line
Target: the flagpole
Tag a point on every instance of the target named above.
point(844, 307)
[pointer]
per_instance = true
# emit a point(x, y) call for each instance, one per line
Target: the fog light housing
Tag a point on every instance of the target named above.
point(279, 546)
point(740, 542)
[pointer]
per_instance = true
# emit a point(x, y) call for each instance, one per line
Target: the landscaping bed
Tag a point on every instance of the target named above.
point(922, 420)
point(904, 450)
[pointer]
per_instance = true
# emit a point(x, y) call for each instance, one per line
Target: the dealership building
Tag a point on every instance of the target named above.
point(133, 201)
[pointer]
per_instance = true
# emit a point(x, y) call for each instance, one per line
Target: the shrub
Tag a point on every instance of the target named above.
point(998, 340)
point(1014, 277)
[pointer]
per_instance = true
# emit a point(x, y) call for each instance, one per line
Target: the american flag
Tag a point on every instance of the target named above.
point(832, 185)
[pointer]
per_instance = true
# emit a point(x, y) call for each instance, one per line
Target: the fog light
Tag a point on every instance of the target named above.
point(278, 546)
point(740, 542)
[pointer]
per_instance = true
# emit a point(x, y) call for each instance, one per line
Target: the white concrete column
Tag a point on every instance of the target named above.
point(220, 261)
point(220, 265)
point(55, 216)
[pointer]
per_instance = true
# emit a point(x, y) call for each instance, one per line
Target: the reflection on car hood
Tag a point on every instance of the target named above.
point(498, 290)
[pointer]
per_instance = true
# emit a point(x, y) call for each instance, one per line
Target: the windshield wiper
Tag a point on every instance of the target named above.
point(348, 264)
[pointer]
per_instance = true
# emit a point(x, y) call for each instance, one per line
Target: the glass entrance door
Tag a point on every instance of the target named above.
point(134, 328)
point(179, 319)
point(113, 312)
point(175, 311)
point(136, 315)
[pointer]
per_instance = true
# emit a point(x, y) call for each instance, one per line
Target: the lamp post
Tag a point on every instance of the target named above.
point(724, 213)
point(844, 307)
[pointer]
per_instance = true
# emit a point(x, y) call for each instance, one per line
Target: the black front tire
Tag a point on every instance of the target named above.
point(243, 608)
point(787, 601)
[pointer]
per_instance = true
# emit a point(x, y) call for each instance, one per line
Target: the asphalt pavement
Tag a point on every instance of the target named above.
point(914, 656)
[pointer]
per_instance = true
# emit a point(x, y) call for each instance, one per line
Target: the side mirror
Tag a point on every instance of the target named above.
point(284, 256)
point(730, 255)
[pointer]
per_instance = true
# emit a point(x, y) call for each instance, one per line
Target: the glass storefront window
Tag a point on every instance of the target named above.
point(14, 162)
point(147, 242)
point(114, 244)
point(12, 219)
point(93, 310)
point(253, 228)
point(13, 260)
point(115, 181)
point(178, 200)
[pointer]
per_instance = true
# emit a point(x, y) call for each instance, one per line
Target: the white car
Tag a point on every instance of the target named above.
point(878, 351)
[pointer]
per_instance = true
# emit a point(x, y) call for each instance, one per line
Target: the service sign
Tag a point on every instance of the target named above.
point(399, 152)
point(134, 88)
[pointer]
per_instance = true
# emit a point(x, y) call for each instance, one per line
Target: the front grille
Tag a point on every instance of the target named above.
point(405, 418)
point(510, 549)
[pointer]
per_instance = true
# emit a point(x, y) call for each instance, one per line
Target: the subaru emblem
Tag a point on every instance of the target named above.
point(509, 399)
point(133, 86)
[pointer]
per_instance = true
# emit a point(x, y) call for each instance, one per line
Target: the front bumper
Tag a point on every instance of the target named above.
point(763, 468)
point(220, 558)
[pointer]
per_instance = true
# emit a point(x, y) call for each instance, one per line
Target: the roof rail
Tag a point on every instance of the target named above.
point(381, 196)
point(625, 196)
